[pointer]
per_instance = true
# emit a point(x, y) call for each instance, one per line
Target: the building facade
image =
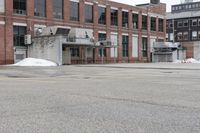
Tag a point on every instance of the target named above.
point(183, 25)
point(133, 29)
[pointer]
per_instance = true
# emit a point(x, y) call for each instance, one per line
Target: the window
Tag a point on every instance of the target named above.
point(125, 46)
point(153, 24)
point(185, 35)
point(40, 8)
point(144, 47)
point(114, 17)
point(194, 22)
point(180, 23)
point(19, 7)
point(2, 6)
point(58, 9)
point(135, 21)
point(144, 22)
point(170, 24)
point(124, 19)
point(194, 35)
point(88, 13)
point(185, 23)
point(171, 37)
point(102, 51)
point(179, 36)
point(18, 37)
point(74, 52)
point(161, 25)
point(74, 11)
point(102, 15)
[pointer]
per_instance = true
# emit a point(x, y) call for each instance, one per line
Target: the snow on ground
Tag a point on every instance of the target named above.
point(190, 60)
point(35, 62)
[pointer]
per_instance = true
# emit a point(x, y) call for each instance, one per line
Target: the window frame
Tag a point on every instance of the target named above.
point(38, 3)
point(74, 11)
point(87, 19)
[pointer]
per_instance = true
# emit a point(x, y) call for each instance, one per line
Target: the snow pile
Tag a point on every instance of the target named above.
point(34, 62)
point(190, 60)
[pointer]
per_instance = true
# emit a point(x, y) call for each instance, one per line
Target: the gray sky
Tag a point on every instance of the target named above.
point(134, 2)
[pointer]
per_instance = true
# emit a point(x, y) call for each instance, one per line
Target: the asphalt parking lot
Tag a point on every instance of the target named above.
point(120, 98)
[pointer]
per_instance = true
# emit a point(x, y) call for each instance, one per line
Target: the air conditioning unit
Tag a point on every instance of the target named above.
point(27, 39)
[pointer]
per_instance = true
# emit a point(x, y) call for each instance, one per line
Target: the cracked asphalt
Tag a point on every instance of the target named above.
point(116, 98)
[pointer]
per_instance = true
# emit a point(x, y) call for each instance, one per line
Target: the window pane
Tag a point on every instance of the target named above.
point(102, 51)
point(19, 6)
point(40, 8)
point(144, 46)
point(114, 17)
point(102, 15)
point(125, 19)
point(18, 35)
point(161, 25)
point(144, 22)
point(58, 9)
point(135, 21)
point(88, 13)
point(74, 11)
point(153, 24)
point(125, 46)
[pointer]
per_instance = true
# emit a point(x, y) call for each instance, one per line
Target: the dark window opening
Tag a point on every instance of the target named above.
point(125, 41)
point(153, 24)
point(102, 15)
point(135, 21)
point(19, 7)
point(144, 22)
point(185, 23)
point(144, 47)
point(161, 25)
point(194, 22)
point(75, 52)
point(180, 23)
point(18, 35)
point(125, 19)
point(114, 17)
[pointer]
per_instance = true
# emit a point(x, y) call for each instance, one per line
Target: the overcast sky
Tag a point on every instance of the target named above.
point(134, 2)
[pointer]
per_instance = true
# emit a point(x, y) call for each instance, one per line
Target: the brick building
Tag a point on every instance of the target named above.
point(183, 25)
point(133, 29)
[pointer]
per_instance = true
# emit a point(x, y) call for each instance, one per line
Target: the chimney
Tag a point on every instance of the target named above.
point(155, 1)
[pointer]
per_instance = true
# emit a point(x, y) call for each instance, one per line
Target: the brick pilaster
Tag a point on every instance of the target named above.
point(66, 11)
point(140, 36)
point(82, 12)
point(119, 35)
point(130, 23)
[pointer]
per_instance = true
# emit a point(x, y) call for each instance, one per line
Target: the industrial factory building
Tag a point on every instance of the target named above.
point(80, 31)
